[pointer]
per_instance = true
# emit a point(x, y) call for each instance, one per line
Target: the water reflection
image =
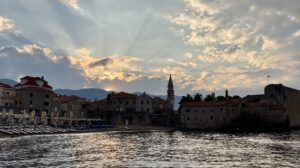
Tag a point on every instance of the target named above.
point(152, 149)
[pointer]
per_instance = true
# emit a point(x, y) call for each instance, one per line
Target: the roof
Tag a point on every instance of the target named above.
point(99, 102)
point(265, 105)
point(123, 95)
point(159, 99)
point(67, 99)
point(145, 95)
point(32, 81)
point(170, 83)
point(5, 85)
point(233, 102)
point(254, 98)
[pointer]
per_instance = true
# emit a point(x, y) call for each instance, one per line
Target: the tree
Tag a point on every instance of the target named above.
point(221, 98)
point(208, 98)
point(236, 97)
point(187, 98)
point(198, 97)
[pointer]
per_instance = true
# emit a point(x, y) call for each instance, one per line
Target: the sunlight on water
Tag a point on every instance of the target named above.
point(152, 149)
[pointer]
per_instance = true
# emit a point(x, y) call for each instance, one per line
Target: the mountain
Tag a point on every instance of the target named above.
point(8, 82)
point(93, 94)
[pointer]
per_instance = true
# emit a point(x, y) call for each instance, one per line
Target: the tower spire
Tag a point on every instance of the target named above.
point(170, 92)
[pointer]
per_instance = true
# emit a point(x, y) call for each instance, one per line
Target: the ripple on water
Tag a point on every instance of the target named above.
point(152, 149)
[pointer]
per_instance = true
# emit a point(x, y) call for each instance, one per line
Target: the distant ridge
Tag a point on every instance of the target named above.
point(90, 94)
point(9, 82)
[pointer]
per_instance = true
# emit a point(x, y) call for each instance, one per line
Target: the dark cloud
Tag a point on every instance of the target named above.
point(15, 64)
point(101, 62)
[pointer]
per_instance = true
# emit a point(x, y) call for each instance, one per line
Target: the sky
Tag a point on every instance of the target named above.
point(133, 45)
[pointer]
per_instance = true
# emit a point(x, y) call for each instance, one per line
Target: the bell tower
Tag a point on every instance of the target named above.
point(170, 92)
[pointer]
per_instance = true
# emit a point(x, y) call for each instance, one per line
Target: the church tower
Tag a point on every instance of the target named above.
point(170, 96)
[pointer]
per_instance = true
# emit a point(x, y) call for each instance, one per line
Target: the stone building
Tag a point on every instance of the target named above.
point(144, 103)
point(289, 97)
point(263, 115)
point(122, 102)
point(7, 96)
point(213, 115)
point(73, 107)
point(161, 106)
point(34, 94)
point(100, 109)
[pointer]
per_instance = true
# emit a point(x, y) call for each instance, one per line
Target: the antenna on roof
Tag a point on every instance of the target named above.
point(268, 79)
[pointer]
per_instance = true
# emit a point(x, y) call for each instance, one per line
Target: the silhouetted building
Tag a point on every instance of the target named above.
point(210, 115)
point(170, 93)
point(289, 97)
point(34, 93)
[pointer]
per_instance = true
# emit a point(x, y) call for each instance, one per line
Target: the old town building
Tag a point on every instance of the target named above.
point(212, 115)
point(289, 97)
point(7, 96)
point(34, 94)
point(73, 107)
point(144, 103)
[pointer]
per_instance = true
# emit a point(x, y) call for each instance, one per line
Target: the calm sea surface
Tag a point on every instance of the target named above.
point(152, 149)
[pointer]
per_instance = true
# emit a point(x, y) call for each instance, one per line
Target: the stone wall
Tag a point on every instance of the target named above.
point(209, 118)
point(263, 118)
point(290, 97)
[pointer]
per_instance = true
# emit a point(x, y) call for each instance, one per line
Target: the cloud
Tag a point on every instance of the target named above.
point(72, 4)
point(34, 49)
point(6, 24)
point(241, 41)
point(101, 62)
point(109, 68)
point(35, 60)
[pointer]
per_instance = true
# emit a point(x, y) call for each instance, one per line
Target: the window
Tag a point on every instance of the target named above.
point(147, 102)
point(187, 110)
point(47, 96)
point(46, 103)
point(142, 102)
point(203, 110)
point(31, 94)
point(148, 109)
point(188, 118)
point(211, 117)
point(212, 110)
point(127, 102)
point(30, 102)
point(222, 109)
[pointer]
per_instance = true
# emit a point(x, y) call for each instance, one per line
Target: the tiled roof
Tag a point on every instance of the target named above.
point(5, 85)
point(31, 81)
point(265, 105)
point(67, 99)
point(99, 102)
point(123, 95)
point(235, 102)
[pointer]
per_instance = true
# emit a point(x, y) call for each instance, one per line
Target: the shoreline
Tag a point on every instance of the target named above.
point(117, 129)
point(138, 129)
